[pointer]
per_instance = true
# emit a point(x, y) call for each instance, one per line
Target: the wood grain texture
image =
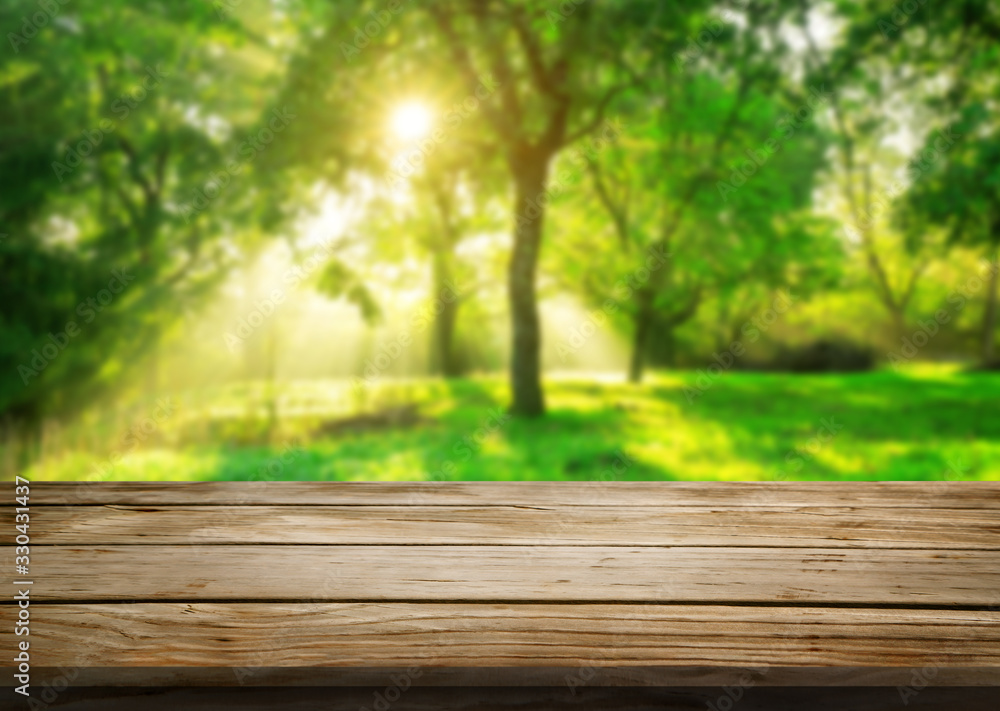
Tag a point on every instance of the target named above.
point(939, 529)
point(681, 584)
point(366, 635)
point(516, 573)
point(914, 494)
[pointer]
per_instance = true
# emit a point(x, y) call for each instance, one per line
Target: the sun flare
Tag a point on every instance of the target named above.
point(411, 121)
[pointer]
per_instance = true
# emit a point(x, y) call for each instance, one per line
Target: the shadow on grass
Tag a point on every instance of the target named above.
point(746, 426)
point(907, 427)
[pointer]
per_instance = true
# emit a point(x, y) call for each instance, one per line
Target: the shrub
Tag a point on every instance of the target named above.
point(822, 356)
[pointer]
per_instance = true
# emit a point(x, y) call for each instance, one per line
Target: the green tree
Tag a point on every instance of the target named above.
point(689, 182)
point(683, 231)
point(558, 70)
point(896, 70)
point(963, 197)
point(104, 144)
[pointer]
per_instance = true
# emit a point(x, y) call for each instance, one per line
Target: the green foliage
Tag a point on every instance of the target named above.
point(732, 229)
point(339, 281)
point(115, 119)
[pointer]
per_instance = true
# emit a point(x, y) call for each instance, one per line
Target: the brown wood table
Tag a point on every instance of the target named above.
point(573, 586)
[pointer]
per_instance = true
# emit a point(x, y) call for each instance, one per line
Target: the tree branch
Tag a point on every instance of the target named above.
point(618, 212)
point(462, 57)
point(542, 75)
point(134, 170)
point(599, 113)
point(689, 309)
point(130, 206)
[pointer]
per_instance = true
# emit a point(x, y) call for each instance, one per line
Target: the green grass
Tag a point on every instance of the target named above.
point(918, 425)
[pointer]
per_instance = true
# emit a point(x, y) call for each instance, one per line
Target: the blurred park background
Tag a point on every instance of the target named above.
point(499, 239)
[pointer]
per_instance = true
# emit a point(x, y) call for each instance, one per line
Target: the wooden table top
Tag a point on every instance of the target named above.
point(514, 583)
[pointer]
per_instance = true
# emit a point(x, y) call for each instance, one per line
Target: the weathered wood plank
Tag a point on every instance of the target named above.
point(516, 573)
point(365, 635)
point(501, 582)
point(814, 527)
point(908, 494)
point(537, 645)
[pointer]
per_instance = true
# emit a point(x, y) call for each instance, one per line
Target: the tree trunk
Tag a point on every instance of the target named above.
point(722, 327)
point(990, 311)
point(443, 360)
point(643, 323)
point(898, 319)
point(526, 345)
point(670, 346)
